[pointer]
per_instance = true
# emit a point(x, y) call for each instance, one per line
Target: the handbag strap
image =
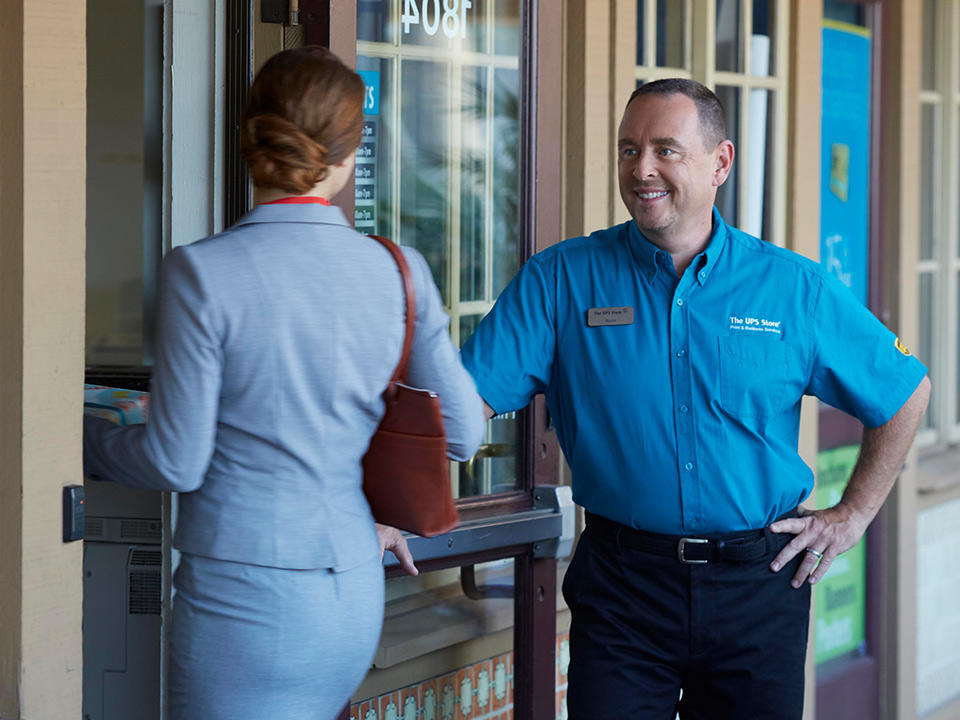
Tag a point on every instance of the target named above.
point(410, 295)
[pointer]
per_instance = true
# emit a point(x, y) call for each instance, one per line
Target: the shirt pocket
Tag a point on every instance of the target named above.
point(753, 374)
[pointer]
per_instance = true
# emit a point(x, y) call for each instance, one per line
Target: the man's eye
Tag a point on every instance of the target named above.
point(627, 152)
point(665, 152)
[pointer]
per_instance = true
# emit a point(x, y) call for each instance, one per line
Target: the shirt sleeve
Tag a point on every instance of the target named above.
point(859, 366)
point(173, 449)
point(511, 353)
point(434, 364)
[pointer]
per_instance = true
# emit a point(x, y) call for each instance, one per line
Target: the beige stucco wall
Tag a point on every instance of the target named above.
point(42, 121)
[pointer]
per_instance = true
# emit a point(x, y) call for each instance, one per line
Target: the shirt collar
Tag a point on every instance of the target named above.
point(295, 213)
point(707, 260)
point(648, 256)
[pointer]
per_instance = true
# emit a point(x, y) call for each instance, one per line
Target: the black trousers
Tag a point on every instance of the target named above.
point(732, 636)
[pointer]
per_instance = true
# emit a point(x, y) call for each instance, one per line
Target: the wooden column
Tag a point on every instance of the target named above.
point(803, 212)
point(42, 200)
point(900, 132)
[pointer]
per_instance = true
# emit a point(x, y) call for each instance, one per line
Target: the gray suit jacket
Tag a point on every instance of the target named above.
point(275, 341)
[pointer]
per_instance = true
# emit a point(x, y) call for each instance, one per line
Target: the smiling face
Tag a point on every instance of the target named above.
point(668, 173)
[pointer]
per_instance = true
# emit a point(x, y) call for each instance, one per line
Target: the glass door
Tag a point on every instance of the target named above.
point(439, 167)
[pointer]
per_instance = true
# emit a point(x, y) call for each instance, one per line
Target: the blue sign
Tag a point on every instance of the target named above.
point(371, 95)
point(845, 154)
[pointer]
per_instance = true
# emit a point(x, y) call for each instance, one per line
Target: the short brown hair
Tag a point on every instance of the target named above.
point(713, 122)
point(305, 113)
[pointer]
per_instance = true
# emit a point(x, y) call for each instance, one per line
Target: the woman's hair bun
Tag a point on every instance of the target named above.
point(279, 154)
point(304, 114)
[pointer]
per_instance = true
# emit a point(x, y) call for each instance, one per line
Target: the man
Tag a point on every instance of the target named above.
point(673, 351)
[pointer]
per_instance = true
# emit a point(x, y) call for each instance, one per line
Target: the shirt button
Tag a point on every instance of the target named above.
point(683, 409)
point(703, 274)
point(680, 301)
point(689, 466)
point(681, 353)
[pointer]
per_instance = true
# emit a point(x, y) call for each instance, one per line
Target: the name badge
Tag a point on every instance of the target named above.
point(601, 317)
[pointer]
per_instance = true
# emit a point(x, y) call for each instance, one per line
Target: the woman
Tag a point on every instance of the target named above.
point(275, 341)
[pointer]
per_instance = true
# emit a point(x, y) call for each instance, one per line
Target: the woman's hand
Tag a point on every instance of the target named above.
point(392, 539)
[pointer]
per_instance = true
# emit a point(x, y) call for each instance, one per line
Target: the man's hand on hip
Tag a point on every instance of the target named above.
point(821, 535)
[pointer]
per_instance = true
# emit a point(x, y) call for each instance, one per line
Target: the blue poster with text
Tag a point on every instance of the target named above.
point(371, 92)
point(845, 155)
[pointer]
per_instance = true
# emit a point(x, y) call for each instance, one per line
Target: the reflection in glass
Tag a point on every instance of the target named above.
point(506, 29)
point(493, 469)
point(929, 51)
point(124, 180)
point(506, 178)
point(424, 190)
point(473, 182)
point(671, 46)
point(728, 36)
point(374, 186)
point(761, 41)
point(640, 34)
point(844, 11)
point(373, 20)
point(760, 154)
point(442, 23)
point(928, 173)
point(727, 194)
point(926, 350)
point(468, 323)
point(439, 166)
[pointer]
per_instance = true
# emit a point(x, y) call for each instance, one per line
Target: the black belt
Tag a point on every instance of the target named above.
point(739, 547)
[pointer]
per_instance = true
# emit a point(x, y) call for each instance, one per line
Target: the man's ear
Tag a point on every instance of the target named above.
point(723, 162)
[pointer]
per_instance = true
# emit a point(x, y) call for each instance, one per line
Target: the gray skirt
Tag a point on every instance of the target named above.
point(253, 642)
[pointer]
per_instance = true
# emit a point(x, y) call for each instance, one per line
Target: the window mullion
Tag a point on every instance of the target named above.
point(950, 358)
point(455, 138)
point(396, 84)
point(743, 148)
point(488, 188)
point(746, 35)
point(703, 46)
point(650, 33)
point(780, 66)
point(944, 330)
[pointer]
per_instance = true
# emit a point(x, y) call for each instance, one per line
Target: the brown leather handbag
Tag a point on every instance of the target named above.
point(406, 473)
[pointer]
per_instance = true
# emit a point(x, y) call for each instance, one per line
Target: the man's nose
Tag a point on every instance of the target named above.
point(645, 166)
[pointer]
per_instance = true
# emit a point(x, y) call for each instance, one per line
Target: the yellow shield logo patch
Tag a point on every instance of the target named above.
point(902, 348)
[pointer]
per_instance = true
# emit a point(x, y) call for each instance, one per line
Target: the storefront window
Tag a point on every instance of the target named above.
point(929, 44)
point(938, 265)
point(729, 54)
point(928, 239)
point(124, 180)
point(727, 194)
point(663, 31)
point(737, 20)
point(439, 166)
point(748, 77)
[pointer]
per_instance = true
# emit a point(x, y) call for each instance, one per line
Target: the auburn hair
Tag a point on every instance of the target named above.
point(305, 113)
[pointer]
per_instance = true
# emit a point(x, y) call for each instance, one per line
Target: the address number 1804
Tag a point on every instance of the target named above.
point(451, 14)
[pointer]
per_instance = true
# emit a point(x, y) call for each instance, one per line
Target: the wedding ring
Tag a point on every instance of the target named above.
point(815, 553)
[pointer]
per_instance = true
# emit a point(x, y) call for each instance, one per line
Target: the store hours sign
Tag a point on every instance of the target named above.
point(365, 170)
point(435, 16)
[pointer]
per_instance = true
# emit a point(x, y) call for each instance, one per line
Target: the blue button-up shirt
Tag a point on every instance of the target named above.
point(687, 418)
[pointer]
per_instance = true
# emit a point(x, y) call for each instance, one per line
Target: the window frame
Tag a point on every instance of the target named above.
point(700, 60)
point(944, 266)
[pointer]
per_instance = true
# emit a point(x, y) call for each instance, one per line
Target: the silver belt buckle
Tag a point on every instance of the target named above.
point(683, 542)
